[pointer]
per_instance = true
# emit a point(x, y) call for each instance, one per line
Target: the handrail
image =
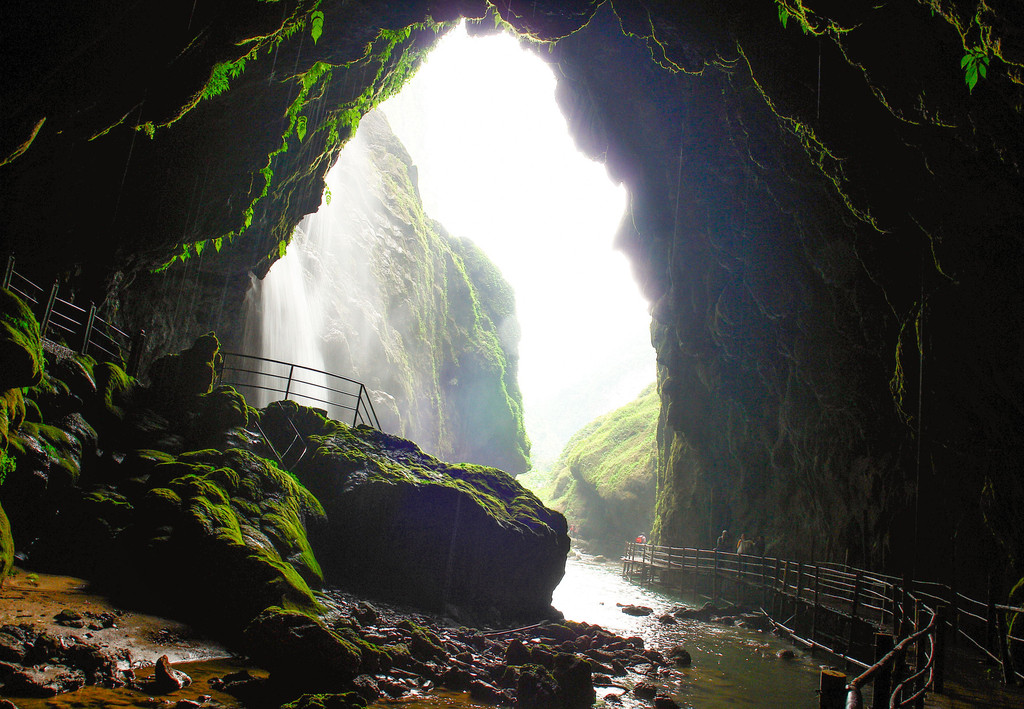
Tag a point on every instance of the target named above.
point(886, 602)
point(250, 372)
point(92, 333)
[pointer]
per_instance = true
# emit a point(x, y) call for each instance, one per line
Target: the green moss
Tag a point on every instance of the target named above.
point(345, 700)
point(605, 476)
point(6, 547)
point(21, 352)
point(48, 448)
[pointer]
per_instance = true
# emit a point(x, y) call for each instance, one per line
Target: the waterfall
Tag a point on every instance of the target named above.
point(292, 313)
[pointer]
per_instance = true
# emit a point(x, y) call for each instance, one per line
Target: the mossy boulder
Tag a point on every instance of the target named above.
point(300, 650)
point(411, 526)
point(344, 700)
point(238, 522)
point(6, 547)
point(188, 374)
point(21, 353)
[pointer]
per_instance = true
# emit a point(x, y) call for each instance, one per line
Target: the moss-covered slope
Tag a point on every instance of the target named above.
point(424, 319)
point(604, 480)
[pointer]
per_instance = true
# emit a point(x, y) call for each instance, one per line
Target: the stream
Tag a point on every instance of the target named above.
point(732, 667)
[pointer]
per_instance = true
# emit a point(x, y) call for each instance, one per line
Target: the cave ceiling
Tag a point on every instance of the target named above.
point(816, 198)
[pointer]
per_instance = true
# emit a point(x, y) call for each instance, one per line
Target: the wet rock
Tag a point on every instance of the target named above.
point(645, 690)
point(725, 620)
point(663, 701)
point(785, 654)
point(367, 687)
point(680, 656)
point(536, 689)
point(69, 618)
point(575, 681)
point(392, 688)
point(7, 704)
point(755, 621)
point(166, 679)
point(666, 619)
point(44, 681)
point(12, 649)
point(456, 678)
point(485, 692)
point(187, 704)
point(366, 614)
point(637, 610)
point(703, 613)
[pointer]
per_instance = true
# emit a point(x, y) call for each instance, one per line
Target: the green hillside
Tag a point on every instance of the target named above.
point(604, 480)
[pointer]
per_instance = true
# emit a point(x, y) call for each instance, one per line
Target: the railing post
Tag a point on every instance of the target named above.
point(89, 321)
point(939, 649)
point(135, 350)
point(8, 272)
point(359, 401)
point(881, 686)
point(714, 580)
point(288, 385)
point(831, 689)
point(853, 612)
point(799, 592)
point(682, 571)
point(45, 321)
point(921, 653)
point(814, 612)
point(1004, 655)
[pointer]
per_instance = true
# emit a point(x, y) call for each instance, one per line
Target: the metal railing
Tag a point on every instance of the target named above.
point(82, 329)
point(272, 379)
point(835, 604)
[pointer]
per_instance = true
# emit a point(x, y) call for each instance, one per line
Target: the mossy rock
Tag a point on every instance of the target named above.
point(345, 700)
point(12, 414)
point(6, 547)
point(428, 532)
point(183, 376)
point(240, 523)
point(21, 352)
point(300, 650)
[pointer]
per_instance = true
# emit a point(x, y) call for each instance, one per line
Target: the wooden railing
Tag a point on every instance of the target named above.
point(892, 630)
point(340, 396)
point(81, 329)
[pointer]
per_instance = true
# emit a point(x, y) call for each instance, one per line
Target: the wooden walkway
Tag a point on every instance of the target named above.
point(891, 631)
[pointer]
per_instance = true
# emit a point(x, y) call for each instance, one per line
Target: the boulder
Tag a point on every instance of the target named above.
point(21, 352)
point(301, 651)
point(413, 527)
point(166, 679)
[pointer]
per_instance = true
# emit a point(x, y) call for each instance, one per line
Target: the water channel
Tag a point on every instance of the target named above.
point(732, 667)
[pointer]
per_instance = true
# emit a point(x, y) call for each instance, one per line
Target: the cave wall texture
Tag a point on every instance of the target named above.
point(818, 207)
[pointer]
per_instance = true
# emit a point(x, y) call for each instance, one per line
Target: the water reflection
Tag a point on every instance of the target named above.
point(732, 667)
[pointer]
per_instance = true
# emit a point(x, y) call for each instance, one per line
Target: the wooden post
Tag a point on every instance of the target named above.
point(764, 583)
point(831, 689)
point(990, 616)
point(696, 571)
point(785, 590)
point(288, 386)
point(895, 601)
point(939, 649)
point(881, 686)
point(45, 321)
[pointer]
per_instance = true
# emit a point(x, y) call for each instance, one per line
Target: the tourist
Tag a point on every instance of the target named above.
point(745, 546)
point(724, 542)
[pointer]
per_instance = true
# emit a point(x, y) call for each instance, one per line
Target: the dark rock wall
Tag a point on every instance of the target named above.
point(812, 207)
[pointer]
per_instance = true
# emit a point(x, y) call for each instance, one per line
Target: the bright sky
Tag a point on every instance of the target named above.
point(497, 165)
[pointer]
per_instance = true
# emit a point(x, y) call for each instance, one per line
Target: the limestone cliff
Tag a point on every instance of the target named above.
point(422, 318)
point(604, 480)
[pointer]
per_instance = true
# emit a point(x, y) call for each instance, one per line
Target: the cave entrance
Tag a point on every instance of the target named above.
point(494, 162)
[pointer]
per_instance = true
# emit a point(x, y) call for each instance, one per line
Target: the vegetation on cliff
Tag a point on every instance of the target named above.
point(604, 480)
point(414, 313)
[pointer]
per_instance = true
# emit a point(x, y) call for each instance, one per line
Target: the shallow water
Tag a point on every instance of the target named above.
point(732, 667)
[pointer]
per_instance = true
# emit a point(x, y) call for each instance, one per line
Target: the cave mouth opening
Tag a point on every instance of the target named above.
point(494, 162)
